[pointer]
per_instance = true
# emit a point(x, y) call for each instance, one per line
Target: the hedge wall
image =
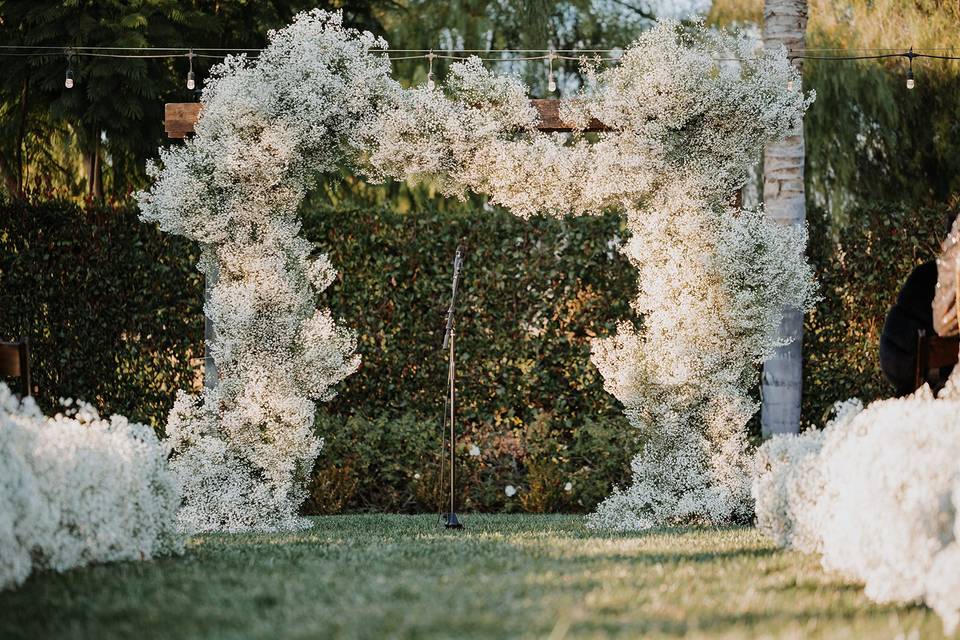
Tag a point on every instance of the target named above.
point(113, 308)
point(533, 294)
point(860, 266)
point(114, 311)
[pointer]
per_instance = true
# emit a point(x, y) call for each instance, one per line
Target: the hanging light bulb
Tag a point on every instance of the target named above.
point(551, 78)
point(431, 83)
point(910, 56)
point(191, 80)
point(790, 85)
point(68, 78)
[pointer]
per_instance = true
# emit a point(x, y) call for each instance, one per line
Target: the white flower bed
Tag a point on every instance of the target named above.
point(713, 279)
point(81, 489)
point(877, 494)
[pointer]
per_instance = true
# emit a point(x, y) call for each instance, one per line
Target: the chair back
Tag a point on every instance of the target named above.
point(934, 352)
point(15, 362)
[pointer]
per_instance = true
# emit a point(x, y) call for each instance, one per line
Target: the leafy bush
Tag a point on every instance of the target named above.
point(394, 464)
point(114, 312)
point(533, 294)
point(860, 265)
point(528, 395)
point(113, 308)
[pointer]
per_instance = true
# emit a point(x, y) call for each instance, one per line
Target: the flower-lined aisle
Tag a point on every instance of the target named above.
point(77, 489)
point(876, 494)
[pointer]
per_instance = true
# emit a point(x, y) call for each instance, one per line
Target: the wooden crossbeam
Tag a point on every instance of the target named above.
point(179, 118)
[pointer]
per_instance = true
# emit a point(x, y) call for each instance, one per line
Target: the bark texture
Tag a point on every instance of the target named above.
point(784, 24)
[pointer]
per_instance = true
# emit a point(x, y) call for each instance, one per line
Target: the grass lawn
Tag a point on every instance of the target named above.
point(383, 576)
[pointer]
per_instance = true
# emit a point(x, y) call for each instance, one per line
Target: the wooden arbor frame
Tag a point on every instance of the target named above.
point(179, 118)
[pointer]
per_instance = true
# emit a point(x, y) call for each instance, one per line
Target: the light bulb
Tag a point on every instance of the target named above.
point(191, 81)
point(790, 85)
point(68, 80)
point(551, 84)
point(910, 82)
point(431, 84)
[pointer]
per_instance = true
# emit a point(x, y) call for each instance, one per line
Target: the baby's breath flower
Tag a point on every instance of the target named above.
point(685, 133)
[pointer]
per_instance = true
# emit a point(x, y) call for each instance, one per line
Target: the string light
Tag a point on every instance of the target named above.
point(191, 81)
point(68, 78)
point(431, 84)
point(910, 56)
point(551, 79)
point(613, 56)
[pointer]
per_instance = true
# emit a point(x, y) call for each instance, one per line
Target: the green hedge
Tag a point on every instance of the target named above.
point(113, 308)
point(860, 266)
point(534, 292)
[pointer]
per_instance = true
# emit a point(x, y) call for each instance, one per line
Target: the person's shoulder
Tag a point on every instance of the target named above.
point(919, 286)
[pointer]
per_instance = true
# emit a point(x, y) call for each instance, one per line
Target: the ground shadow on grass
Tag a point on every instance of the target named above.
point(377, 576)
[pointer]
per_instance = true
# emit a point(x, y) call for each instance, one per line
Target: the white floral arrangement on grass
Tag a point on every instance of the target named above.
point(877, 494)
point(685, 131)
point(77, 489)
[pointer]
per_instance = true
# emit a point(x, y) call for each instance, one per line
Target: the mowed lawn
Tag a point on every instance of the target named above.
point(505, 576)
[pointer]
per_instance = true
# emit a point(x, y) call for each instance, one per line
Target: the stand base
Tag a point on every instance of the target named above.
point(450, 521)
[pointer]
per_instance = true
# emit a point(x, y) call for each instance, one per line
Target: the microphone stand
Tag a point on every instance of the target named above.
point(450, 518)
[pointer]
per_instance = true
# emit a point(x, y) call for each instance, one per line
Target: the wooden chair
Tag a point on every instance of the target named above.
point(934, 352)
point(15, 362)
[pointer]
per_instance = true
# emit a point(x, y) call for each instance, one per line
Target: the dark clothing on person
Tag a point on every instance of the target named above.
point(912, 312)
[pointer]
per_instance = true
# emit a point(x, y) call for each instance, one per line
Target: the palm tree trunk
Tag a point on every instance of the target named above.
point(784, 23)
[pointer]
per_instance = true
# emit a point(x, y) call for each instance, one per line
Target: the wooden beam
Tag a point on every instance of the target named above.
point(550, 118)
point(180, 117)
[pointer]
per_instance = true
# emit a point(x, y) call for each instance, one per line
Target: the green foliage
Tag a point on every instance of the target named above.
point(869, 138)
point(861, 265)
point(94, 139)
point(534, 293)
point(112, 307)
point(394, 464)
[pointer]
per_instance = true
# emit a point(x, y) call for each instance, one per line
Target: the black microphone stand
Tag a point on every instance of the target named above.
point(450, 518)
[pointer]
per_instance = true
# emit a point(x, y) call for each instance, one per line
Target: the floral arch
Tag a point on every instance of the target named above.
point(685, 130)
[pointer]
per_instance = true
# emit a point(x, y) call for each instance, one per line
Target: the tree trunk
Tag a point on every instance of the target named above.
point(784, 23)
point(92, 163)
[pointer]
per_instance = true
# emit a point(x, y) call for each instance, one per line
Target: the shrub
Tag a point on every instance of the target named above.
point(113, 308)
point(76, 489)
point(114, 311)
point(860, 265)
point(393, 464)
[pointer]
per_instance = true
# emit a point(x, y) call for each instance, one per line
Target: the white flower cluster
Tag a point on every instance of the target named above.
point(877, 494)
point(244, 449)
point(80, 489)
point(713, 280)
point(685, 132)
